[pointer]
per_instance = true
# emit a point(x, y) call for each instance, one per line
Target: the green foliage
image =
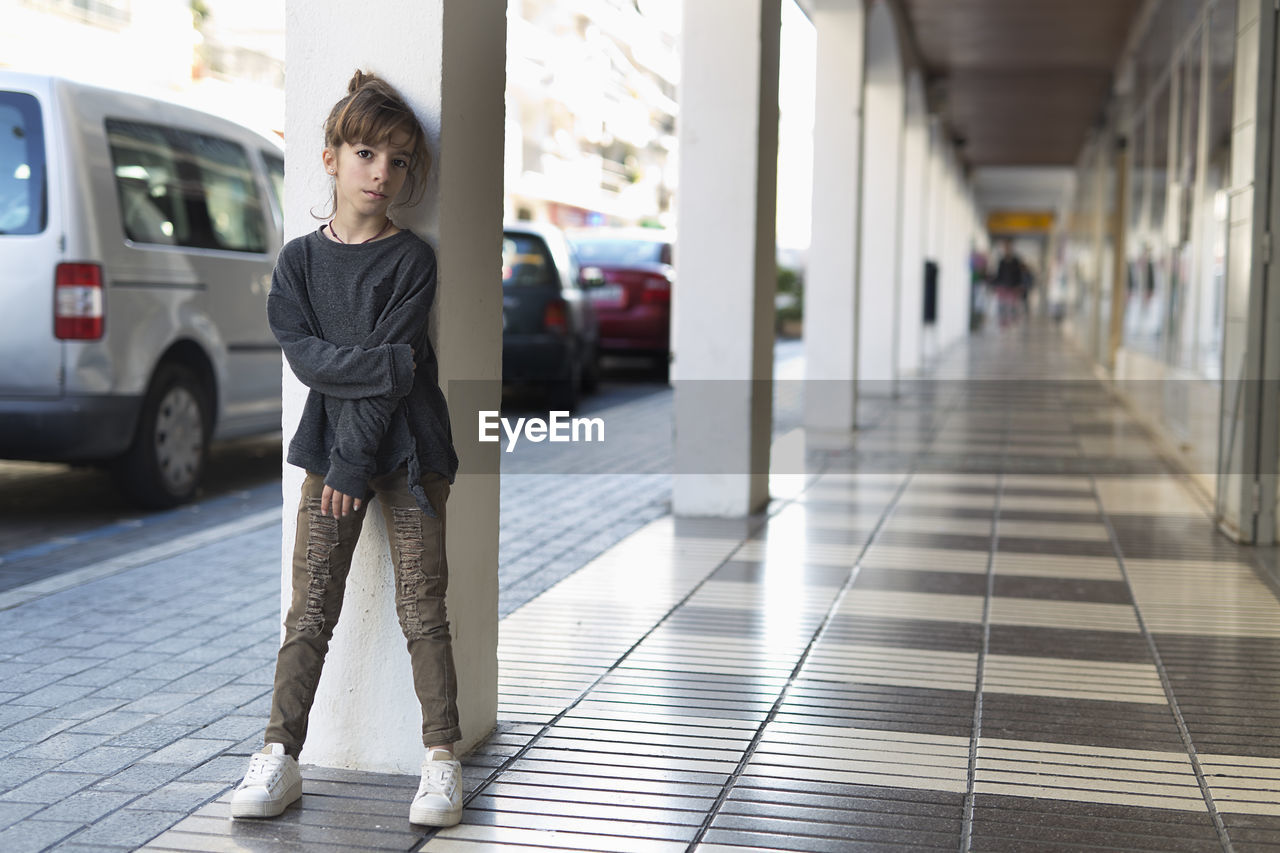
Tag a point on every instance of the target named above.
point(790, 296)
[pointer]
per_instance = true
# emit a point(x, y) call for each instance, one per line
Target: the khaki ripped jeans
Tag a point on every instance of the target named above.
point(321, 560)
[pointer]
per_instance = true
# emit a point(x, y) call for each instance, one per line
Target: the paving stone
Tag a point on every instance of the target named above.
point(176, 645)
point(56, 694)
point(159, 703)
point(141, 778)
point(84, 807)
point(230, 727)
point(236, 664)
point(49, 788)
point(140, 659)
point(15, 771)
point(36, 729)
point(128, 826)
point(29, 682)
point(131, 688)
point(10, 668)
point(152, 735)
point(63, 746)
point(32, 836)
point(115, 650)
point(114, 723)
point(181, 796)
point(42, 654)
point(11, 813)
point(169, 670)
point(228, 769)
point(86, 640)
point(189, 751)
point(87, 708)
point(70, 665)
point(104, 760)
point(100, 676)
point(14, 713)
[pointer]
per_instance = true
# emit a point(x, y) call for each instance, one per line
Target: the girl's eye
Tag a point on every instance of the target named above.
point(363, 151)
point(402, 164)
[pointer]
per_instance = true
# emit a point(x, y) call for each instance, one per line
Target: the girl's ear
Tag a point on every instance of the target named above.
point(330, 159)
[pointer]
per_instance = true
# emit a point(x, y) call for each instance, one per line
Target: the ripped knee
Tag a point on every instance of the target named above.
point(322, 538)
point(415, 588)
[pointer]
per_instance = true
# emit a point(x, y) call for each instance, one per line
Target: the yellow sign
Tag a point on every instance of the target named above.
point(1019, 222)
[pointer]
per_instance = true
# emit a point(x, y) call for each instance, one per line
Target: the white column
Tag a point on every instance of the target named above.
point(831, 282)
point(915, 160)
point(878, 292)
point(447, 57)
point(723, 310)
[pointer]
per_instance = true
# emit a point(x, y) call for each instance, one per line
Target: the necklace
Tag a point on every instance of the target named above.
point(371, 239)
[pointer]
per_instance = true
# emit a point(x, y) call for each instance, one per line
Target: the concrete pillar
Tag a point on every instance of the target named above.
point(831, 282)
point(878, 288)
point(448, 58)
point(723, 313)
point(953, 309)
point(915, 159)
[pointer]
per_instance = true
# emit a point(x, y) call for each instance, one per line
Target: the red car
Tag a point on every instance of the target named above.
point(631, 274)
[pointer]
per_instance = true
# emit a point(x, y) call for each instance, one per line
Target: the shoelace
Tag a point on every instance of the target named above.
point(438, 777)
point(263, 770)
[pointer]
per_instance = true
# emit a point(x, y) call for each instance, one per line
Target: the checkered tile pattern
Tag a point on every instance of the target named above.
point(1021, 638)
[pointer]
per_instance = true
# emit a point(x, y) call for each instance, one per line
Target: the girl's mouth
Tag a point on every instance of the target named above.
point(373, 194)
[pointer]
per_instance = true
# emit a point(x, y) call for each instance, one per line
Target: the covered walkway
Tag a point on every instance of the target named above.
point(1000, 622)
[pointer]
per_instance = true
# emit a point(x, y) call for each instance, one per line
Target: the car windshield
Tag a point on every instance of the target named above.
point(526, 262)
point(22, 167)
point(617, 252)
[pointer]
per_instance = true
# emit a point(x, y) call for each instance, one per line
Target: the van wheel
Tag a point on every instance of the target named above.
point(163, 466)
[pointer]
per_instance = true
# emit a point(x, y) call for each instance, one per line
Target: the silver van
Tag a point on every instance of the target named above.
point(137, 239)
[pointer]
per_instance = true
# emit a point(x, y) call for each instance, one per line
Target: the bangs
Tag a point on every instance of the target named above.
point(377, 123)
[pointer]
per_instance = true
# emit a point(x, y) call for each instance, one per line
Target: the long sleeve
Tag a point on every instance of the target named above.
point(374, 368)
point(364, 421)
point(352, 321)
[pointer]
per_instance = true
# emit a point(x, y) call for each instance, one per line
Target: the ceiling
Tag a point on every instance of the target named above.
point(1021, 82)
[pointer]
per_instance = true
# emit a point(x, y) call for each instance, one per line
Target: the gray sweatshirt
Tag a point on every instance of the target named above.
point(352, 320)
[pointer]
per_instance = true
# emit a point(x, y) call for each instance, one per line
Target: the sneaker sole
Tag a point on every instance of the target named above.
point(435, 817)
point(268, 808)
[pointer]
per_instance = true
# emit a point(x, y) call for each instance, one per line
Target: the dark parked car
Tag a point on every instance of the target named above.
point(549, 330)
point(634, 302)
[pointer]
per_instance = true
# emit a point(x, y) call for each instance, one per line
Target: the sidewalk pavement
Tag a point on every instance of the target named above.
point(132, 690)
point(997, 623)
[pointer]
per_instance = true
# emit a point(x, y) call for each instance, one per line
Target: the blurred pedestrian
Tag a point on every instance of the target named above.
point(349, 303)
point(1011, 284)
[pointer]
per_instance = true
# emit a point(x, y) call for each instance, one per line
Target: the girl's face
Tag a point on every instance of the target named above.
point(368, 177)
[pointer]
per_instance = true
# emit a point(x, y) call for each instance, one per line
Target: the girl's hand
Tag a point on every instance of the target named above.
point(341, 504)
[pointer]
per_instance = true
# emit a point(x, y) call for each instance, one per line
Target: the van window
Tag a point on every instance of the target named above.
point(275, 176)
point(180, 188)
point(23, 193)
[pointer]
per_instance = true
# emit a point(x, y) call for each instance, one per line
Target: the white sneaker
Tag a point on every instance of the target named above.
point(271, 784)
point(439, 798)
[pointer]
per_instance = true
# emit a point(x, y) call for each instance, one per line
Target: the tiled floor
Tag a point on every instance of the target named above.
point(1019, 636)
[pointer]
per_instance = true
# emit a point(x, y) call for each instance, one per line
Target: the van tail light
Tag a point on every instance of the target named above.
point(555, 317)
point(657, 291)
point(77, 302)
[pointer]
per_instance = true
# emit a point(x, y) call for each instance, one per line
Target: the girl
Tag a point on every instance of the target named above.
point(349, 305)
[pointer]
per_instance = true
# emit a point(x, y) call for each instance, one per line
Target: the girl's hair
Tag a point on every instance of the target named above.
point(372, 113)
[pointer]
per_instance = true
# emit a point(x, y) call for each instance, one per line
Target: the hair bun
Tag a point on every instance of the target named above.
point(357, 80)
